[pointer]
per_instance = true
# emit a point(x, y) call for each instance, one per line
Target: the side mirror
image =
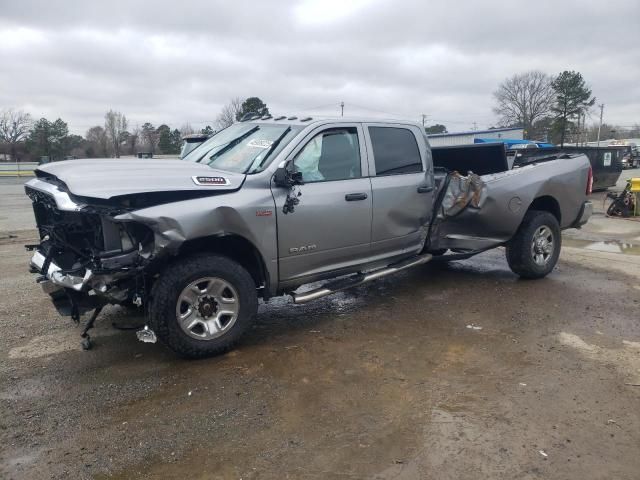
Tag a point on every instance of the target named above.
point(285, 177)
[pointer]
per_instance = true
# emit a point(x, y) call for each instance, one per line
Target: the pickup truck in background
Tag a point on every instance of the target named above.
point(270, 205)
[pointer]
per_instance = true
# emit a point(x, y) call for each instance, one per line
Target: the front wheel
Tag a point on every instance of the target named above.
point(534, 250)
point(201, 305)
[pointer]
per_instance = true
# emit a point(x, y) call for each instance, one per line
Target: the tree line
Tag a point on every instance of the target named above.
point(26, 139)
point(553, 108)
point(549, 108)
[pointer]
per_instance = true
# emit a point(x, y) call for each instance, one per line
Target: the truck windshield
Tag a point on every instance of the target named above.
point(243, 147)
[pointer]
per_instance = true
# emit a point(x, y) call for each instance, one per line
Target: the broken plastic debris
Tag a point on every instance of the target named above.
point(146, 335)
point(543, 453)
point(474, 327)
point(523, 384)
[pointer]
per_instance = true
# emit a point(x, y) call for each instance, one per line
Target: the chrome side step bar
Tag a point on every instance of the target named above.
point(359, 279)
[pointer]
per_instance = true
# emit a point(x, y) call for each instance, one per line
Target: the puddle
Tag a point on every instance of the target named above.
point(610, 246)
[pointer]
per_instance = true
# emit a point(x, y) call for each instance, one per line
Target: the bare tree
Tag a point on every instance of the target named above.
point(228, 114)
point(115, 124)
point(150, 136)
point(524, 99)
point(97, 138)
point(186, 129)
point(14, 128)
point(133, 140)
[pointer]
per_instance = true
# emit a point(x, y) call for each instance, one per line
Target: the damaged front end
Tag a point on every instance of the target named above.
point(86, 259)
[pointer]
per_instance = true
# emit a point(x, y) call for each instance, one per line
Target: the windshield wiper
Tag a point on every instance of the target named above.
point(274, 145)
point(232, 144)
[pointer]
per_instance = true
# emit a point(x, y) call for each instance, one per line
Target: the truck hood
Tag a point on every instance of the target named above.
point(108, 178)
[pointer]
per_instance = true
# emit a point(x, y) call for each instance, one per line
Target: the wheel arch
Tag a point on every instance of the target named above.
point(547, 203)
point(238, 249)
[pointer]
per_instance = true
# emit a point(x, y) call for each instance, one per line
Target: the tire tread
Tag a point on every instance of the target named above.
point(518, 248)
point(167, 288)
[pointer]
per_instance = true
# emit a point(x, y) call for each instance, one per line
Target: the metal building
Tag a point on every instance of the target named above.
point(468, 138)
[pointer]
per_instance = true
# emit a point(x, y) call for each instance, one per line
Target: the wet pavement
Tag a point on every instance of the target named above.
point(450, 372)
point(457, 371)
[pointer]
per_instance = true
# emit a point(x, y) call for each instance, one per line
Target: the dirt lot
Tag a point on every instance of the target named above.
point(444, 372)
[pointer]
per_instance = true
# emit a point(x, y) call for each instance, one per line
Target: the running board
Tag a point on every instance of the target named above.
point(359, 279)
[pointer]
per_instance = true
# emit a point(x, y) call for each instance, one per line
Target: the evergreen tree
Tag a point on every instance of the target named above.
point(49, 139)
point(165, 142)
point(572, 99)
point(252, 105)
point(176, 141)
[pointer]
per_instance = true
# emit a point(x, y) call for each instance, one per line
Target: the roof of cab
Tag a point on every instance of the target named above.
point(305, 120)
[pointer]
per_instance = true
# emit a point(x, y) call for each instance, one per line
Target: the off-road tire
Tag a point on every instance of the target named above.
point(172, 281)
point(519, 254)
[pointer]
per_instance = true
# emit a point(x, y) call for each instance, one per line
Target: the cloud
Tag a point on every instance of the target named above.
point(172, 63)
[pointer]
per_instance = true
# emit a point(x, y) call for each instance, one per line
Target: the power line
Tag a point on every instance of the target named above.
point(316, 107)
point(378, 111)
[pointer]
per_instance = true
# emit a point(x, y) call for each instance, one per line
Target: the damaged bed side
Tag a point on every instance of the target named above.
point(481, 203)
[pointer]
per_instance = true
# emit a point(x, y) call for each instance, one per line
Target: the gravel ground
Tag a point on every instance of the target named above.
point(449, 372)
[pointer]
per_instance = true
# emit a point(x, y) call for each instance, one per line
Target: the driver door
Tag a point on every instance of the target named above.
point(330, 228)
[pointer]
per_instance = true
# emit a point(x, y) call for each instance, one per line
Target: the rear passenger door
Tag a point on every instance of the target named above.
point(402, 188)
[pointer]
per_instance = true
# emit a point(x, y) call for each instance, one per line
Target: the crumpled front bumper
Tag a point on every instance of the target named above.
point(54, 279)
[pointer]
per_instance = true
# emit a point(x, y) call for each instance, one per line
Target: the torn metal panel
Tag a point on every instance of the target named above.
point(462, 192)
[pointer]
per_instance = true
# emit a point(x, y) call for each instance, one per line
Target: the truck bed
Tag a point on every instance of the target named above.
point(556, 184)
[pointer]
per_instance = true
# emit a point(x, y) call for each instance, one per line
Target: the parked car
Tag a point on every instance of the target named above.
point(267, 206)
point(191, 142)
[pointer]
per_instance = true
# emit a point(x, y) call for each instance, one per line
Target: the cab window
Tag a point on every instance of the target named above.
point(333, 154)
point(395, 151)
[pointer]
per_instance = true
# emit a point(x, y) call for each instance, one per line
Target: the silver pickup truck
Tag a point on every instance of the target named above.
point(270, 205)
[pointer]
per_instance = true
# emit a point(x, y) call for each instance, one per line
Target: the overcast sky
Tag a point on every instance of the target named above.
point(158, 63)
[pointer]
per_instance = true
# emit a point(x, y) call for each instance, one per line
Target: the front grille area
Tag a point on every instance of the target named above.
point(72, 236)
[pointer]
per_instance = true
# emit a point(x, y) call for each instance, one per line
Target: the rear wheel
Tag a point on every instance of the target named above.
point(534, 250)
point(201, 305)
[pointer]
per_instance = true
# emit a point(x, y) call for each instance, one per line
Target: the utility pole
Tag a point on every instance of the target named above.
point(424, 120)
point(342, 109)
point(600, 125)
point(475, 126)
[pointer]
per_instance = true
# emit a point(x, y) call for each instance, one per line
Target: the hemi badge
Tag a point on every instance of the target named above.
point(264, 213)
point(209, 181)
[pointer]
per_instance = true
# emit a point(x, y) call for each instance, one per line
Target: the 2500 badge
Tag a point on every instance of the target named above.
point(209, 181)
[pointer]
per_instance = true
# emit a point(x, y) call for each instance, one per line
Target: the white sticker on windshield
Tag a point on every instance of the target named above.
point(258, 143)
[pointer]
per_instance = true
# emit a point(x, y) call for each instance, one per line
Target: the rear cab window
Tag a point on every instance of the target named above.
point(395, 151)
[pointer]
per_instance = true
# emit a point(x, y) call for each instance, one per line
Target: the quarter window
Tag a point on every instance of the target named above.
point(331, 155)
point(395, 151)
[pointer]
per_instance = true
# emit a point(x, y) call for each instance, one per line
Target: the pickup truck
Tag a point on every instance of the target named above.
point(269, 206)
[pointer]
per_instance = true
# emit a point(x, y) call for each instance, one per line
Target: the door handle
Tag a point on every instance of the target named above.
point(353, 197)
point(425, 189)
